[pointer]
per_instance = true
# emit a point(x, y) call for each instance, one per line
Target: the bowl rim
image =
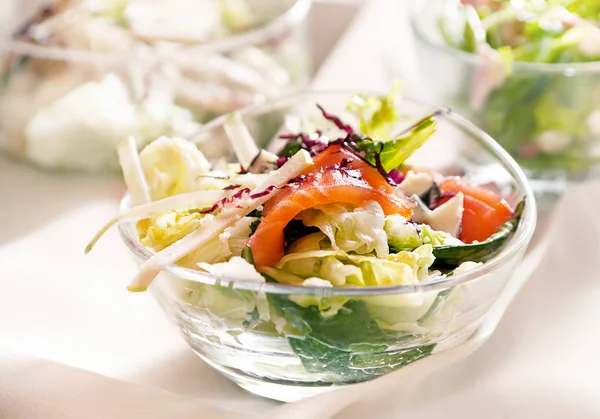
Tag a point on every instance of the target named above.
point(292, 17)
point(519, 241)
point(568, 69)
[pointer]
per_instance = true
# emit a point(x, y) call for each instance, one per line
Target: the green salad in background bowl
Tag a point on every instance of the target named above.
point(341, 242)
point(526, 71)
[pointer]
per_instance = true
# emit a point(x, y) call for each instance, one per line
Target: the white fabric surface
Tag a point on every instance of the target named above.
point(75, 344)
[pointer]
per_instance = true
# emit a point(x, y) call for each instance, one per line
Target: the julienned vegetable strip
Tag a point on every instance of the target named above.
point(240, 139)
point(190, 200)
point(139, 193)
point(227, 217)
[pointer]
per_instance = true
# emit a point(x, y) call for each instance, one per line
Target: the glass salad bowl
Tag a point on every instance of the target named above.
point(79, 76)
point(287, 342)
point(546, 115)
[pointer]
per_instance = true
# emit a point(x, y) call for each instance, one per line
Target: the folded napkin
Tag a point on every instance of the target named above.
point(541, 360)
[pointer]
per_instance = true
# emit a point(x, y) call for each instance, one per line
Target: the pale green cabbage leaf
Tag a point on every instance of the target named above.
point(358, 230)
point(173, 166)
point(160, 232)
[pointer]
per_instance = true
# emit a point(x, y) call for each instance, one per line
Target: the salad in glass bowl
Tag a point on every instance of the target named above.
point(79, 76)
point(347, 240)
point(527, 72)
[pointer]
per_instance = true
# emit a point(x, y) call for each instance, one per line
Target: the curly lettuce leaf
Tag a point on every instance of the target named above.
point(341, 268)
point(377, 114)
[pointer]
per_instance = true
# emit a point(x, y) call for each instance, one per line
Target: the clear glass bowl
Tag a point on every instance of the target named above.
point(257, 335)
point(547, 116)
point(73, 87)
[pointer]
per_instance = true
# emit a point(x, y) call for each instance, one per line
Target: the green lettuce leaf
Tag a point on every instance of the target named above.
point(341, 268)
point(350, 345)
point(377, 115)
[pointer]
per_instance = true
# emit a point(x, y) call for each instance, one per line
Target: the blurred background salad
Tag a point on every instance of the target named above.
point(526, 71)
point(79, 76)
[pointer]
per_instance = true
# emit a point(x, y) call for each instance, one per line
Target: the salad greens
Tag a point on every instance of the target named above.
point(334, 208)
point(547, 119)
point(330, 343)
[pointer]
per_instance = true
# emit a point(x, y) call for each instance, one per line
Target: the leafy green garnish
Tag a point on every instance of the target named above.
point(351, 325)
point(353, 367)
point(291, 147)
point(377, 114)
point(397, 151)
point(349, 344)
point(393, 153)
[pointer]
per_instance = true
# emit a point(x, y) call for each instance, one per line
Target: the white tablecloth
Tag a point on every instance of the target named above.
point(75, 344)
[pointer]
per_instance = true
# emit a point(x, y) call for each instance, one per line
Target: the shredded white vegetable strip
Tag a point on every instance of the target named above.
point(241, 140)
point(139, 192)
point(213, 226)
point(190, 200)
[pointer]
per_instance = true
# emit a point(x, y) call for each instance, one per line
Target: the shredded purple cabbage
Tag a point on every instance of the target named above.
point(297, 179)
point(336, 120)
point(345, 162)
point(357, 144)
point(281, 161)
point(264, 193)
point(353, 173)
point(347, 144)
point(397, 176)
point(231, 187)
point(239, 195)
point(219, 204)
point(416, 226)
point(381, 169)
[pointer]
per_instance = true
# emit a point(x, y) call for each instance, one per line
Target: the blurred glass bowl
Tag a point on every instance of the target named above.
point(79, 76)
point(260, 335)
point(547, 116)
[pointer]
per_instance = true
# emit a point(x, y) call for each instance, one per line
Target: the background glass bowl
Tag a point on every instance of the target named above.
point(547, 116)
point(256, 333)
point(66, 103)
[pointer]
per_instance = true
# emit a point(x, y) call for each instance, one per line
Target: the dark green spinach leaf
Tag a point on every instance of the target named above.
point(350, 344)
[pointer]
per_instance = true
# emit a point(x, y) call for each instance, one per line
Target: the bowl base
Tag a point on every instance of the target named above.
point(282, 391)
